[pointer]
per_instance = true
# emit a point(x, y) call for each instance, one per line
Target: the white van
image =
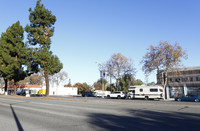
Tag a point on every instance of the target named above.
point(146, 92)
point(1, 91)
point(100, 93)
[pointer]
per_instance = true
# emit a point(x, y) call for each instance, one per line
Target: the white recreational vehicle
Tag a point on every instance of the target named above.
point(146, 92)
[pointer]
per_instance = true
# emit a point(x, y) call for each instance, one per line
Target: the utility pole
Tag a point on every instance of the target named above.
point(102, 75)
point(102, 84)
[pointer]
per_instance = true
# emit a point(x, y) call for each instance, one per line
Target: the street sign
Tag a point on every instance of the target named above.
point(101, 74)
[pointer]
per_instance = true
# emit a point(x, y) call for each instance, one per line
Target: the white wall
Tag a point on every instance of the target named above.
point(63, 91)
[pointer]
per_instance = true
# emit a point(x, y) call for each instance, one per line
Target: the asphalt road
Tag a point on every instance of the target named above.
point(67, 114)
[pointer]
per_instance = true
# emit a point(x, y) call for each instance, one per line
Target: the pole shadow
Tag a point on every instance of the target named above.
point(20, 128)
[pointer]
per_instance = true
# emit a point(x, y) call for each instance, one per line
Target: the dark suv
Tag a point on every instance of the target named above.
point(86, 94)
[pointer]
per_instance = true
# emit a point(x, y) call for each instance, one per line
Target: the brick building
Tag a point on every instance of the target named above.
point(184, 81)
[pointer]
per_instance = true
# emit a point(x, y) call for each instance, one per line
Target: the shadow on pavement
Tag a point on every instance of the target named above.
point(20, 128)
point(144, 120)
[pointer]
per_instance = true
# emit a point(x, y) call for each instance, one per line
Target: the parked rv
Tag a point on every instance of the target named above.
point(146, 92)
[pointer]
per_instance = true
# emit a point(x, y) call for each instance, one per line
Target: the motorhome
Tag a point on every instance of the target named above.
point(146, 92)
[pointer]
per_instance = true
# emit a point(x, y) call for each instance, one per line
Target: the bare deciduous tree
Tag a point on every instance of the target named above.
point(59, 77)
point(34, 79)
point(164, 57)
point(117, 66)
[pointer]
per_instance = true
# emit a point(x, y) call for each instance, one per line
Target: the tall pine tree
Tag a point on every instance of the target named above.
point(13, 55)
point(40, 32)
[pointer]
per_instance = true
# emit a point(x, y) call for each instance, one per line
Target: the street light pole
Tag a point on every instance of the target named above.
point(102, 84)
point(102, 75)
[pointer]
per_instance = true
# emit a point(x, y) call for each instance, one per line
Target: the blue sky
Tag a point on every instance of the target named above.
point(88, 32)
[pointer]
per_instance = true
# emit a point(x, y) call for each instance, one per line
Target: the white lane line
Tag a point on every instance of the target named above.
point(90, 109)
point(44, 111)
point(10, 100)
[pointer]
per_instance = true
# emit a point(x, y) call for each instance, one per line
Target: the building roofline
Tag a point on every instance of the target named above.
point(190, 68)
point(26, 86)
point(184, 69)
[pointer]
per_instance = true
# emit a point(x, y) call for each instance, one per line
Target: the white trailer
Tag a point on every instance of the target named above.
point(146, 92)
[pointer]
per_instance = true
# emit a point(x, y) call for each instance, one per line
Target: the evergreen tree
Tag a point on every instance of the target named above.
point(40, 32)
point(13, 54)
point(123, 85)
point(102, 80)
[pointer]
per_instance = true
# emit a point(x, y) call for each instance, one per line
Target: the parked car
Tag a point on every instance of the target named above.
point(188, 98)
point(100, 93)
point(117, 94)
point(21, 92)
point(18, 92)
point(87, 94)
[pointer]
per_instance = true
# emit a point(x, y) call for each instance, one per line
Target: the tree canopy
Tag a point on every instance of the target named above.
point(98, 84)
point(59, 77)
point(13, 54)
point(164, 57)
point(41, 26)
point(117, 66)
point(40, 31)
point(82, 87)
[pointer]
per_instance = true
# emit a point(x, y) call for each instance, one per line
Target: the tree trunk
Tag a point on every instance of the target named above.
point(46, 76)
point(102, 81)
point(117, 84)
point(6, 86)
point(165, 84)
point(117, 81)
point(15, 84)
point(110, 84)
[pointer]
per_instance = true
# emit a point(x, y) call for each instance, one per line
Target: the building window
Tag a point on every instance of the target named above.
point(141, 90)
point(193, 91)
point(178, 79)
point(170, 79)
point(153, 90)
point(176, 91)
point(185, 79)
point(198, 78)
point(191, 79)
